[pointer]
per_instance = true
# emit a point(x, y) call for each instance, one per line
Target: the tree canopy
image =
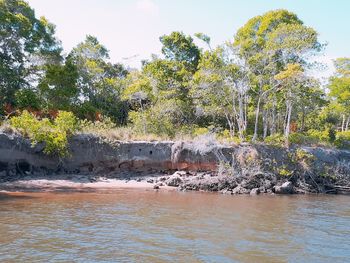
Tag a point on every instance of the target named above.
point(254, 87)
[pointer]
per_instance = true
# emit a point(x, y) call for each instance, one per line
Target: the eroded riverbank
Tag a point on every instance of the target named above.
point(97, 163)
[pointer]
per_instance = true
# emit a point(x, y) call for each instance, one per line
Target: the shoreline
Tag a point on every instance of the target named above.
point(181, 181)
point(96, 163)
point(63, 184)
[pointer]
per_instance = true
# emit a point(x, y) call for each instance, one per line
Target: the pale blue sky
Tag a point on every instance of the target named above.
point(133, 27)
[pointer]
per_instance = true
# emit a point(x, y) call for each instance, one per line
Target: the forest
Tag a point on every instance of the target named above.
point(260, 86)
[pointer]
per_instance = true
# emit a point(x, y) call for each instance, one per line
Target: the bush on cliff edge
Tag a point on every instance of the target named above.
point(54, 133)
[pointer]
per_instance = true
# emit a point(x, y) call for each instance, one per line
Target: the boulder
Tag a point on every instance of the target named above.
point(255, 191)
point(174, 180)
point(240, 190)
point(285, 188)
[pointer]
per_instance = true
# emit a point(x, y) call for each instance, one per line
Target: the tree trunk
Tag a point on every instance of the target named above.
point(287, 126)
point(241, 121)
point(343, 123)
point(303, 120)
point(255, 136)
point(231, 125)
point(273, 118)
point(265, 122)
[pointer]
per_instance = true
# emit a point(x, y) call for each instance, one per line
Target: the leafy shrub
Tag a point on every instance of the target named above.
point(53, 133)
point(225, 136)
point(299, 138)
point(310, 138)
point(96, 127)
point(200, 131)
point(276, 139)
point(151, 121)
point(283, 171)
point(342, 139)
point(319, 136)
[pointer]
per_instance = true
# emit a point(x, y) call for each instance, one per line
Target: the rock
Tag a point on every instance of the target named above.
point(255, 191)
point(285, 188)
point(226, 182)
point(174, 180)
point(226, 192)
point(163, 178)
point(150, 180)
point(240, 190)
point(180, 173)
point(267, 184)
point(156, 186)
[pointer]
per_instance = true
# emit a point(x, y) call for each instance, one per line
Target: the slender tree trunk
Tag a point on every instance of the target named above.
point(241, 121)
point(245, 111)
point(273, 118)
point(347, 124)
point(343, 123)
point(231, 124)
point(303, 120)
point(143, 119)
point(255, 136)
point(265, 122)
point(287, 125)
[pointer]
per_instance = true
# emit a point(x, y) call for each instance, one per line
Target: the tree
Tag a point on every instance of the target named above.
point(99, 82)
point(268, 43)
point(339, 90)
point(159, 95)
point(205, 38)
point(58, 88)
point(26, 43)
point(179, 47)
point(221, 86)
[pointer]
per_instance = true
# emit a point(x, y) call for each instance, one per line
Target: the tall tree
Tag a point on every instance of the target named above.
point(268, 43)
point(99, 82)
point(221, 86)
point(58, 88)
point(179, 47)
point(339, 87)
point(26, 43)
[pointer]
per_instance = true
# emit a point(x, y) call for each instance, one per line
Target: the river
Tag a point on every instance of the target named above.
point(149, 226)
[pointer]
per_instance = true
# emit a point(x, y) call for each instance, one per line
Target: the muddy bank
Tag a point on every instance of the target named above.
point(200, 165)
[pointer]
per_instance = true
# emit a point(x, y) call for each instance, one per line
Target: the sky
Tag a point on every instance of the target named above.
point(130, 29)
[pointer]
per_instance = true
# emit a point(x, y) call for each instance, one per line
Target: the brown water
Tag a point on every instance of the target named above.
point(148, 226)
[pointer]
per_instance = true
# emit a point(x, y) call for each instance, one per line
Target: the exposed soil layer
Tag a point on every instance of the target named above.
point(96, 163)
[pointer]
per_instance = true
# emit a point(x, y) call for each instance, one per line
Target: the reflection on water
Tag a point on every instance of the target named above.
point(148, 226)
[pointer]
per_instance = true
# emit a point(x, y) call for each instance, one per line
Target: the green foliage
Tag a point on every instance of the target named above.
point(58, 88)
point(200, 131)
point(276, 139)
point(96, 127)
point(283, 171)
point(299, 138)
point(27, 98)
point(54, 133)
point(320, 136)
point(254, 87)
point(343, 139)
point(99, 82)
point(152, 121)
point(179, 47)
point(302, 155)
point(312, 137)
point(23, 36)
